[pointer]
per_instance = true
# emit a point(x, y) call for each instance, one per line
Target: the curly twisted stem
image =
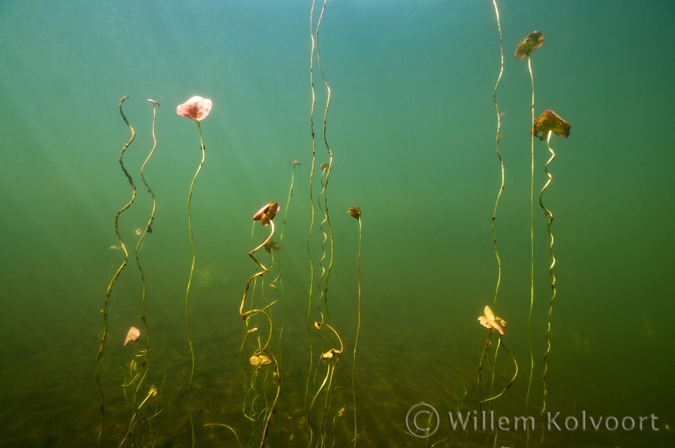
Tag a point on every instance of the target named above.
point(108, 294)
point(548, 213)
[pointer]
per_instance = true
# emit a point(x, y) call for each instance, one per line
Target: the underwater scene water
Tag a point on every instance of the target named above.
point(361, 319)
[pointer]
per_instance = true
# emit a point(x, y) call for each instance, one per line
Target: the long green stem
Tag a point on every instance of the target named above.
point(315, 53)
point(548, 213)
point(279, 277)
point(104, 310)
point(273, 407)
point(498, 137)
point(331, 358)
point(529, 317)
point(324, 192)
point(288, 203)
point(328, 400)
point(192, 269)
point(311, 211)
point(139, 244)
point(515, 373)
point(148, 226)
point(252, 312)
point(257, 274)
point(358, 324)
point(228, 427)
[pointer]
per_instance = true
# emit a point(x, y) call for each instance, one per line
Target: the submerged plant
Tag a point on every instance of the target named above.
point(524, 50)
point(355, 212)
point(488, 319)
point(531, 42)
point(549, 123)
point(498, 138)
point(108, 294)
point(141, 359)
point(134, 377)
point(261, 356)
point(197, 109)
point(271, 247)
point(326, 169)
point(330, 358)
point(494, 323)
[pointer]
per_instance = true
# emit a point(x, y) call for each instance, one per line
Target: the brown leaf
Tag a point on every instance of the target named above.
point(267, 213)
point(550, 121)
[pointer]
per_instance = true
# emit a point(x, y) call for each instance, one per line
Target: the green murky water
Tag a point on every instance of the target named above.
point(412, 126)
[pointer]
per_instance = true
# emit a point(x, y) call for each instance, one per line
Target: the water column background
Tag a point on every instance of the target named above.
point(412, 127)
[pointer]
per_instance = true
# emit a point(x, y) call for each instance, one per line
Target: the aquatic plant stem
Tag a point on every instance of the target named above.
point(288, 203)
point(328, 400)
point(498, 137)
point(358, 324)
point(136, 421)
point(262, 349)
point(281, 290)
point(245, 314)
point(189, 284)
point(272, 408)
point(279, 277)
point(257, 274)
point(529, 317)
point(500, 343)
point(108, 294)
point(331, 358)
point(148, 226)
point(331, 247)
point(548, 213)
point(145, 353)
point(311, 211)
point(228, 427)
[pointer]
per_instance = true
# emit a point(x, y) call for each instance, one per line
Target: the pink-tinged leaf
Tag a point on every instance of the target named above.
point(196, 108)
point(132, 335)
